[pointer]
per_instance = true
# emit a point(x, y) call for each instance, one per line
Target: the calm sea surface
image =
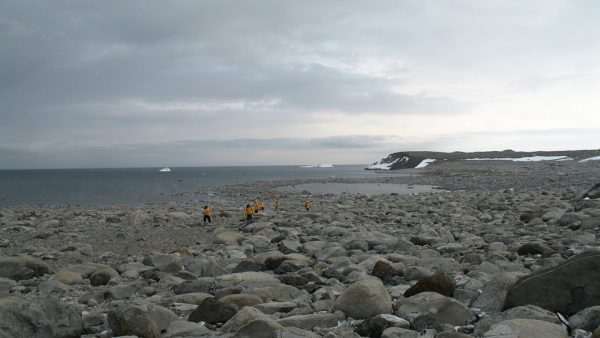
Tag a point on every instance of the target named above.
point(142, 185)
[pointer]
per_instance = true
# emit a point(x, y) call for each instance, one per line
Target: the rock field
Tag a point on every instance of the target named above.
point(502, 250)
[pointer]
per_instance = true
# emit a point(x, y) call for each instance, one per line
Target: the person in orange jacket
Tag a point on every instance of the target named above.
point(308, 205)
point(207, 211)
point(249, 211)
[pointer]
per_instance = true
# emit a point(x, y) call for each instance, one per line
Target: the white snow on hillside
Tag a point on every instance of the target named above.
point(523, 159)
point(425, 163)
point(379, 165)
point(597, 158)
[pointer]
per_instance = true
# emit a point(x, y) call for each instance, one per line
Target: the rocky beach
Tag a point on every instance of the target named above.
point(497, 249)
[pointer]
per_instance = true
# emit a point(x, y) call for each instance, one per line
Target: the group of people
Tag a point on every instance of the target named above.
point(252, 208)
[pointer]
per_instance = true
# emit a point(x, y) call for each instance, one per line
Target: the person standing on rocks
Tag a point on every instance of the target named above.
point(308, 205)
point(207, 212)
point(276, 203)
point(256, 206)
point(249, 211)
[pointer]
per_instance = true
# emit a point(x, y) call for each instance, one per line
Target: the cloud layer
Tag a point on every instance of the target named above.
point(85, 80)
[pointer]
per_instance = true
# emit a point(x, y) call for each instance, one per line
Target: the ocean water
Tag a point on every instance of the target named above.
point(143, 185)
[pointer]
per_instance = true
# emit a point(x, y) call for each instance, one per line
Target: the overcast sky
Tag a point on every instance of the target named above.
point(193, 83)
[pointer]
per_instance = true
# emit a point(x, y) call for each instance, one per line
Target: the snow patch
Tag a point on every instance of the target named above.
point(380, 165)
point(597, 158)
point(425, 163)
point(523, 159)
point(322, 165)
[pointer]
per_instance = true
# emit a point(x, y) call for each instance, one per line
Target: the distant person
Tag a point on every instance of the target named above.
point(207, 211)
point(277, 204)
point(249, 211)
point(308, 205)
point(256, 206)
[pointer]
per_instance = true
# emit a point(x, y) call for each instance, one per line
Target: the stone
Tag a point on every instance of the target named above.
point(398, 332)
point(567, 288)
point(7, 285)
point(124, 291)
point(274, 307)
point(182, 328)
point(441, 284)
point(310, 321)
point(519, 312)
point(432, 310)
point(202, 285)
point(241, 300)
point(587, 319)
point(526, 328)
point(212, 311)
point(364, 299)
point(227, 238)
point(535, 248)
point(19, 268)
point(163, 262)
point(68, 277)
point(103, 276)
point(593, 192)
point(493, 296)
point(38, 317)
point(375, 326)
point(140, 318)
point(384, 271)
point(246, 315)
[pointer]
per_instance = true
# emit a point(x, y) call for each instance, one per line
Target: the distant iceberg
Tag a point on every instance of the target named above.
point(165, 169)
point(322, 165)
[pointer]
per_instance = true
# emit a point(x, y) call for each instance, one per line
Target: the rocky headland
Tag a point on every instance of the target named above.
point(502, 249)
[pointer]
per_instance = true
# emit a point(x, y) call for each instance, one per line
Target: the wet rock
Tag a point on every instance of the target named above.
point(310, 321)
point(182, 328)
point(247, 315)
point(375, 326)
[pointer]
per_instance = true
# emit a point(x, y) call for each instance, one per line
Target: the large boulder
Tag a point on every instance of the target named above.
point(493, 296)
point(163, 262)
point(432, 310)
point(567, 288)
point(365, 299)
point(18, 268)
point(140, 318)
point(38, 317)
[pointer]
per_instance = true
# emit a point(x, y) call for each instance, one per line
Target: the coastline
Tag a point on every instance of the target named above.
point(473, 230)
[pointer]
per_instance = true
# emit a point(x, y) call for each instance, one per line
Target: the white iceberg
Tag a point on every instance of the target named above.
point(165, 169)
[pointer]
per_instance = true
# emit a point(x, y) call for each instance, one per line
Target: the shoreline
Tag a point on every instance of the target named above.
point(492, 221)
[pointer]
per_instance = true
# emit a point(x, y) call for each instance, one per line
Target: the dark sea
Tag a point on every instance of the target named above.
point(59, 187)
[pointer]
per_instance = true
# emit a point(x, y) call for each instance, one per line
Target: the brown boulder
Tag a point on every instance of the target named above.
point(439, 283)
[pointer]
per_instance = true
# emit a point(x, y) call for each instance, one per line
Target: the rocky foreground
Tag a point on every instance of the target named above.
point(501, 252)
